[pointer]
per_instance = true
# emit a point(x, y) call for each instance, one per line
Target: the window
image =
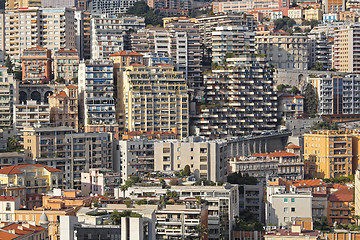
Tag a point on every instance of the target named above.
point(292, 209)
point(285, 200)
point(286, 210)
point(293, 200)
point(286, 219)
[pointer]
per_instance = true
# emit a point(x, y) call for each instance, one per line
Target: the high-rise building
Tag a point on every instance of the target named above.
point(331, 153)
point(338, 96)
point(154, 99)
point(36, 65)
point(74, 153)
point(96, 97)
point(64, 107)
point(283, 51)
point(2, 38)
point(58, 3)
point(66, 64)
point(83, 34)
point(51, 28)
point(231, 42)
point(179, 40)
point(346, 49)
point(109, 34)
point(239, 99)
point(110, 6)
point(320, 50)
point(7, 88)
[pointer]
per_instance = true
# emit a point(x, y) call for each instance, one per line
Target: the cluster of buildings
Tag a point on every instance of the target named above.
point(112, 128)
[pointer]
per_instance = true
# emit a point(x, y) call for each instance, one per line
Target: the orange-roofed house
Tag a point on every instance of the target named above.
point(290, 106)
point(36, 65)
point(292, 148)
point(64, 107)
point(340, 206)
point(60, 199)
point(35, 177)
point(23, 231)
point(290, 165)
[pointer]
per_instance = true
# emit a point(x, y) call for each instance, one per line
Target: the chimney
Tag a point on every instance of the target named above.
point(296, 229)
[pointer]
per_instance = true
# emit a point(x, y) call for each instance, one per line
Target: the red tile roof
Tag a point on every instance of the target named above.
point(308, 183)
point(7, 198)
point(71, 86)
point(338, 186)
point(164, 65)
point(21, 229)
point(15, 169)
point(342, 195)
point(293, 146)
point(39, 48)
point(137, 65)
point(135, 54)
point(120, 53)
point(7, 236)
point(281, 154)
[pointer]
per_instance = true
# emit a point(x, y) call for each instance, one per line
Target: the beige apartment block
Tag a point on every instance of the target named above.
point(66, 65)
point(154, 99)
point(346, 49)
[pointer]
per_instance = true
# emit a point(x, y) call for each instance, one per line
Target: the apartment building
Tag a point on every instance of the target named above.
point(7, 94)
point(35, 177)
point(283, 207)
point(233, 41)
point(64, 107)
point(330, 153)
point(186, 49)
point(346, 47)
point(338, 96)
point(252, 199)
point(109, 34)
point(30, 114)
point(97, 103)
point(99, 181)
point(71, 152)
point(222, 203)
point(357, 193)
point(334, 6)
point(36, 65)
point(340, 207)
point(206, 159)
point(110, 6)
point(83, 33)
point(51, 28)
point(66, 65)
point(320, 50)
point(133, 157)
point(154, 99)
point(180, 41)
point(239, 99)
point(313, 14)
point(290, 106)
point(289, 51)
point(208, 24)
point(297, 14)
point(8, 159)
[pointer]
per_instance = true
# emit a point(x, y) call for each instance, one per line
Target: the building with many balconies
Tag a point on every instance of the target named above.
point(36, 65)
point(7, 88)
point(289, 52)
point(109, 34)
point(96, 97)
point(154, 99)
point(239, 99)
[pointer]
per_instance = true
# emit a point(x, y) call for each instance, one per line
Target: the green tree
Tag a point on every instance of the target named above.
point(141, 9)
point(115, 217)
point(294, 90)
point(318, 66)
point(310, 100)
point(187, 171)
point(9, 65)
